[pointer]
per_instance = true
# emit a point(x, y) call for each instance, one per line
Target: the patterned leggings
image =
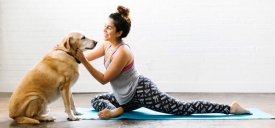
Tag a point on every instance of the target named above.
point(147, 95)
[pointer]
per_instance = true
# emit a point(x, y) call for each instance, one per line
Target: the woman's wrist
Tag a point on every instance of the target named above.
point(84, 61)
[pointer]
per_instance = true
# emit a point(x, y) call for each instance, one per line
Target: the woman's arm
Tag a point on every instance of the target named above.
point(119, 60)
point(96, 53)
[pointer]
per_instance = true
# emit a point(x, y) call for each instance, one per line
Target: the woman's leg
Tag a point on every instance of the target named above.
point(149, 96)
point(108, 106)
point(102, 101)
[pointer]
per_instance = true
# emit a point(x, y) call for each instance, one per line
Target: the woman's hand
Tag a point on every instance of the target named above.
point(55, 47)
point(79, 55)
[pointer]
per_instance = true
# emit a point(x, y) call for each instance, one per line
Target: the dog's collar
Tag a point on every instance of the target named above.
point(71, 55)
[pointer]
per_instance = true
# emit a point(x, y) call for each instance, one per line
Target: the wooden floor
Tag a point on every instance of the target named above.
point(265, 102)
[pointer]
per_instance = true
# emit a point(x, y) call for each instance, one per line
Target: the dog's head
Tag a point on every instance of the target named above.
point(77, 40)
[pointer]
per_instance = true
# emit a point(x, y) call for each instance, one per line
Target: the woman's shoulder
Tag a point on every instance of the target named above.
point(125, 47)
point(106, 44)
point(124, 50)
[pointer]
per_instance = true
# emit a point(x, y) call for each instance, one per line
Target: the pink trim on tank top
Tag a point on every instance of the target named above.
point(128, 66)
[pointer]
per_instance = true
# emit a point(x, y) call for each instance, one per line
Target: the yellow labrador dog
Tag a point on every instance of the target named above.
point(49, 79)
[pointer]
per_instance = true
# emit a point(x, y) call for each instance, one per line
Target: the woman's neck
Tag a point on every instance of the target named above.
point(115, 43)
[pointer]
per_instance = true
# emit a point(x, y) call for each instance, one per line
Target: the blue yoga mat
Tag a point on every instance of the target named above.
point(147, 114)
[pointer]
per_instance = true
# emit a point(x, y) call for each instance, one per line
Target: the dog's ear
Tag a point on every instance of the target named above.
point(66, 43)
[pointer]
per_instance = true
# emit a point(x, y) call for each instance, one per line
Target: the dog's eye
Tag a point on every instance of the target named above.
point(83, 38)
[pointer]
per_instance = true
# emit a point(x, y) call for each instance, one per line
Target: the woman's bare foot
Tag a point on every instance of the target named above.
point(106, 113)
point(236, 108)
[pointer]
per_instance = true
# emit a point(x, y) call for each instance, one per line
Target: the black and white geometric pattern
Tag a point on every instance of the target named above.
point(149, 96)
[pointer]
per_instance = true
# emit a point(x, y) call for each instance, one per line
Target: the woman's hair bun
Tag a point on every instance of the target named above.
point(124, 12)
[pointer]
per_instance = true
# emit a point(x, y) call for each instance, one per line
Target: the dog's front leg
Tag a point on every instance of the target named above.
point(73, 106)
point(66, 94)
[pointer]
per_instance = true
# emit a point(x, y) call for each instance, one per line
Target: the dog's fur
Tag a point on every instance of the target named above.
point(49, 79)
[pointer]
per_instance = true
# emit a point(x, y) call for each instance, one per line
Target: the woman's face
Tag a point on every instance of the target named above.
point(110, 33)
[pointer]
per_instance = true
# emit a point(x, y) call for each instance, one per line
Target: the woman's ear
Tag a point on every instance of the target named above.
point(118, 34)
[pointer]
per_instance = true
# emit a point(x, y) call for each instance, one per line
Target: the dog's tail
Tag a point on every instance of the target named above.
point(26, 120)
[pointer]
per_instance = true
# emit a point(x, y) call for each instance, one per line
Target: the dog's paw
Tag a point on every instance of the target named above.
point(45, 118)
point(78, 113)
point(73, 119)
point(50, 119)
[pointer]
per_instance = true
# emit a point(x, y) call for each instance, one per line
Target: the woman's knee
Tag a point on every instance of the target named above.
point(98, 97)
point(101, 104)
point(94, 99)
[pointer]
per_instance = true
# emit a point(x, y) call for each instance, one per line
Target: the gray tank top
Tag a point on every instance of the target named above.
point(124, 85)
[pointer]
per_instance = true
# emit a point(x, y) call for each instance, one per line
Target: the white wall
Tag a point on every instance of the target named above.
point(182, 45)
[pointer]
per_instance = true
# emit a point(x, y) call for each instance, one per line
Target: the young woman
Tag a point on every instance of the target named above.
point(132, 90)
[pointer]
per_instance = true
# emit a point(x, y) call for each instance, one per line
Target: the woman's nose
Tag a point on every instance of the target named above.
point(104, 29)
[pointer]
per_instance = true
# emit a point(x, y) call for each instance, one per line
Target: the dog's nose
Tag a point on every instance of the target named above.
point(95, 42)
